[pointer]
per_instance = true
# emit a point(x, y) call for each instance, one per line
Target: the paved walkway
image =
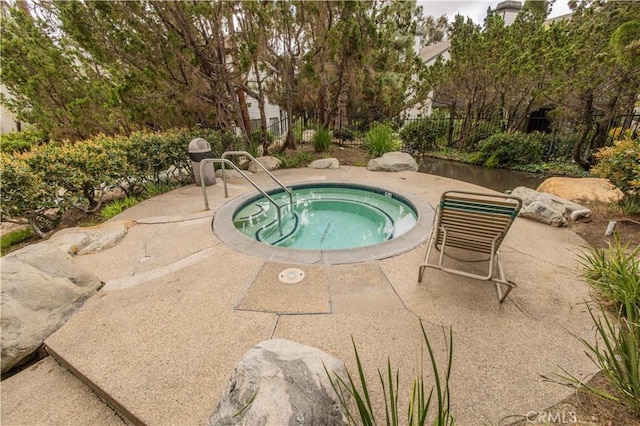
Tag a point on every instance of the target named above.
point(180, 308)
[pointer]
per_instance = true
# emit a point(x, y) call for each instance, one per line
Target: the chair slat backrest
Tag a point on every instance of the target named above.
point(473, 221)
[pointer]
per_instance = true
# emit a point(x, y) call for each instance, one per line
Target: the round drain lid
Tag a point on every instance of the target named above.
point(291, 276)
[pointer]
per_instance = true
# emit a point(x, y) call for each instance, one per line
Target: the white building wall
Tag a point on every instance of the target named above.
point(8, 122)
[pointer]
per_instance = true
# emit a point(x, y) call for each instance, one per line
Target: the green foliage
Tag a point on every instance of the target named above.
point(21, 141)
point(13, 238)
point(83, 170)
point(117, 206)
point(322, 139)
point(380, 139)
point(422, 134)
point(153, 189)
point(618, 358)
point(620, 164)
point(28, 193)
point(294, 160)
point(615, 274)
point(419, 403)
point(40, 185)
point(630, 205)
point(508, 150)
point(480, 131)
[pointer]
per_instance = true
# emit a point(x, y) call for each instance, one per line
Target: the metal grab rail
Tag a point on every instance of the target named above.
point(226, 192)
point(246, 154)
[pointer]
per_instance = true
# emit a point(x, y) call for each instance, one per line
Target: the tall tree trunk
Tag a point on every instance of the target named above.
point(580, 146)
point(242, 100)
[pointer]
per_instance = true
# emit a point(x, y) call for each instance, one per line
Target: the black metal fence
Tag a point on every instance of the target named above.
point(439, 131)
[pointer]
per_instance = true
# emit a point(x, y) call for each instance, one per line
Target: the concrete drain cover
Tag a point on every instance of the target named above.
point(291, 276)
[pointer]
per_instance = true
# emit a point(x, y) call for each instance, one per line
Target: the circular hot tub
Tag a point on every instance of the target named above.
point(335, 222)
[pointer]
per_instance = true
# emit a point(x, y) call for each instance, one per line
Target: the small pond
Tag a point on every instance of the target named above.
point(496, 179)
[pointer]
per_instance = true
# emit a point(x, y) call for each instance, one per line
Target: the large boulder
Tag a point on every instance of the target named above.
point(279, 382)
point(325, 163)
point(548, 208)
point(269, 163)
point(41, 287)
point(581, 189)
point(393, 162)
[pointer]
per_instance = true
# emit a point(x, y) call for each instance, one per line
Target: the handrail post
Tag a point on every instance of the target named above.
point(246, 154)
point(226, 192)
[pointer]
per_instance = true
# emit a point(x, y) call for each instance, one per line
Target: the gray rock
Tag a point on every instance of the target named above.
point(393, 162)
point(548, 208)
point(269, 163)
point(41, 288)
point(92, 239)
point(325, 163)
point(279, 382)
point(544, 213)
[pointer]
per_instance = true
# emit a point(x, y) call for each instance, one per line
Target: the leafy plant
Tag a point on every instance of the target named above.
point(151, 189)
point(294, 160)
point(618, 359)
point(117, 206)
point(322, 139)
point(420, 403)
point(380, 139)
point(630, 205)
point(615, 274)
point(620, 164)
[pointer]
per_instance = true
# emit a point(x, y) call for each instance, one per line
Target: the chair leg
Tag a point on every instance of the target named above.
point(501, 282)
point(425, 263)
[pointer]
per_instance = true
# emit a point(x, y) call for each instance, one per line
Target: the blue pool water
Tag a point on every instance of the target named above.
point(326, 217)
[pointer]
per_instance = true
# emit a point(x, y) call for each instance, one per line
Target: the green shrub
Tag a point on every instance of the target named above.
point(620, 164)
point(423, 134)
point(380, 139)
point(419, 407)
point(480, 130)
point(83, 169)
point(40, 185)
point(508, 150)
point(28, 194)
point(322, 139)
point(21, 141)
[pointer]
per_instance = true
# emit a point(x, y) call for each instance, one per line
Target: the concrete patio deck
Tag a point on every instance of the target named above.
point(180, 308)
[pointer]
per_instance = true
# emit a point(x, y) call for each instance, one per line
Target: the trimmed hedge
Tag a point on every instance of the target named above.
point(41, 184)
